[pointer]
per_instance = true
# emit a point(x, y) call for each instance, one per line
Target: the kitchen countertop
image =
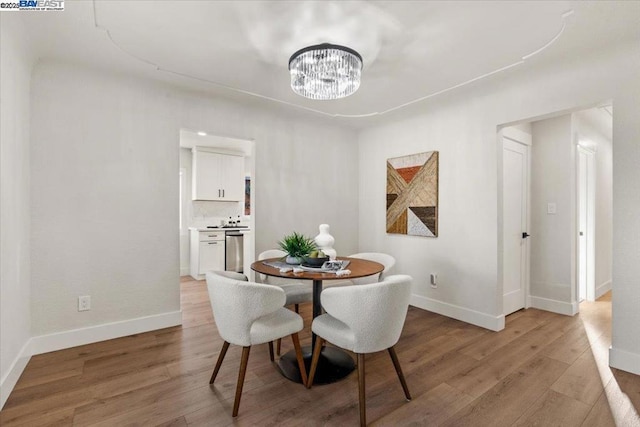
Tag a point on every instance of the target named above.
point(220, 229)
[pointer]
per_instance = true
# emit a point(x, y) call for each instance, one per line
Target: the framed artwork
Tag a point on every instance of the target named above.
point(412, 194)
point(247, 195)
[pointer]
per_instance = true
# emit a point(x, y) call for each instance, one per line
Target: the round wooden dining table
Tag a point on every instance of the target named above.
point(334, 363)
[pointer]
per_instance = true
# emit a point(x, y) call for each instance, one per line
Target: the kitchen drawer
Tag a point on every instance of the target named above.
point(206, 236)
point(211, 256)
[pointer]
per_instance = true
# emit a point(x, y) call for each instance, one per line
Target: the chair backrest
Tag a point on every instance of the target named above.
point(387, 260)
point(270, 280)
point(272, 253)
point(374, 313)
point(236, 304)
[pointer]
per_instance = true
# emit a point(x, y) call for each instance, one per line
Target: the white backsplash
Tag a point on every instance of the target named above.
point(211, 213)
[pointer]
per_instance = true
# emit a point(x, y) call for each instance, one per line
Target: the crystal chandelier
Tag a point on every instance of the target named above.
point(325, 71)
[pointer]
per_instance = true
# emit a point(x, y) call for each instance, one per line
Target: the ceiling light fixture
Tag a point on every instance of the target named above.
point(325, 71)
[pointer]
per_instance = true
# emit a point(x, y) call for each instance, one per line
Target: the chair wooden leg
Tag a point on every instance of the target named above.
point(298, 349)
point(278, 344)
point(223, 352)
point(396, 364)
point(314, 360)
point(271, 351)
point(361, 394)
point(243, 371)
point(297, 308)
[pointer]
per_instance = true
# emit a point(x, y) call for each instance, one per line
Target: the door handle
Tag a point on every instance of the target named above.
point(525, 235)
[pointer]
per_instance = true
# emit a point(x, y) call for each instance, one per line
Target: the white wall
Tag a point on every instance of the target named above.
point(625, 345)
point(16, 62)
point(553, 235)
point(600, 140)
point(187, 210)
point(462, 126)
point(104, 185)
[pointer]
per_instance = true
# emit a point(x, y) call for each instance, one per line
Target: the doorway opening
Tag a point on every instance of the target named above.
point(217, 199)
point(555, 233)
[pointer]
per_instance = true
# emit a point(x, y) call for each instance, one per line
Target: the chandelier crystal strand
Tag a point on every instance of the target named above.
point(325, 71)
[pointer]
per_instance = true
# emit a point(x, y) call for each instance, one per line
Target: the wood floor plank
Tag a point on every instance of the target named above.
point(568, 347)
point(487, 373)
point(582, 381)
point(494, 341)
point(503, 404)
point(177, 422)
point(165, 409)
point(35, 376)
point(126, 402)
point(429, 409)
point(600, 414)
point(543, 369)
point(617, 404)
point(554, 409)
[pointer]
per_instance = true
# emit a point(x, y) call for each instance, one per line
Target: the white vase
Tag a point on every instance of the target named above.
point(324, 241)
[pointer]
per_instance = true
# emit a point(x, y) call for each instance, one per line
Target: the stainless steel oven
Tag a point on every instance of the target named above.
point(234, 251)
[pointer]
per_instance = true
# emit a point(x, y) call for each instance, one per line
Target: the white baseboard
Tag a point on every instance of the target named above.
point(105, 331)
point(184, 271)
point(484, 320)
point(603, 289)
point(17, 367)
point(624, 360)
point(554, 306)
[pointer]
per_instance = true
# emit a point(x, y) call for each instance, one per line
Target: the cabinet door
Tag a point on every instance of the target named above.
point(206, 176)
point(232, 177)
point(217, 176)
point(211, 256)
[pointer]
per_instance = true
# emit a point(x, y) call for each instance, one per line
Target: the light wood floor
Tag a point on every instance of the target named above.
point(543, 369)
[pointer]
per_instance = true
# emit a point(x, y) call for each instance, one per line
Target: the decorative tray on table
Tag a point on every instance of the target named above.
point(327, 267)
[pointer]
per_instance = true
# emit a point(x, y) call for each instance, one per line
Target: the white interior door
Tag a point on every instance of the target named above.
point(515, 193)
point(586, 225)
point(582, 225)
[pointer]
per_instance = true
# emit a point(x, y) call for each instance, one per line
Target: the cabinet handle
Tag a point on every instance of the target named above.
point(213, 243)
point(212, 235)
point(223, 193)
point(218, 192)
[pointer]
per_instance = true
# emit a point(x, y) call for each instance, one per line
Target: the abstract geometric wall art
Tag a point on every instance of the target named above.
point(412, 194)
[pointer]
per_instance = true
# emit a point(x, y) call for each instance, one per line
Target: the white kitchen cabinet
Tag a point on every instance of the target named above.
point(207, 252)
point(217, 176)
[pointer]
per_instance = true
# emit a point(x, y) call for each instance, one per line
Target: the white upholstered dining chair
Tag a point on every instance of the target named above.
point(297, 292)
point(386, 260)
point(247, 314)
point(363, 319)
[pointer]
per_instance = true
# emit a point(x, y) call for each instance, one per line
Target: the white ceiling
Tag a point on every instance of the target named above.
point(412, 50)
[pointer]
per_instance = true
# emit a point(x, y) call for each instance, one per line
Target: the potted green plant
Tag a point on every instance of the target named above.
point(296, 246)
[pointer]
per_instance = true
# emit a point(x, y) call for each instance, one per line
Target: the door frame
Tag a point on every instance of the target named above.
point(590, 228)
point(525, 139)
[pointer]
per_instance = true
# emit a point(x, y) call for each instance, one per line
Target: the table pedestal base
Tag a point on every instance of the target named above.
point(334, 364)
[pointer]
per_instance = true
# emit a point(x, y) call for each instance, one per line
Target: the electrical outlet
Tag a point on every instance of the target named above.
point(434, 280)
point(84, 303)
